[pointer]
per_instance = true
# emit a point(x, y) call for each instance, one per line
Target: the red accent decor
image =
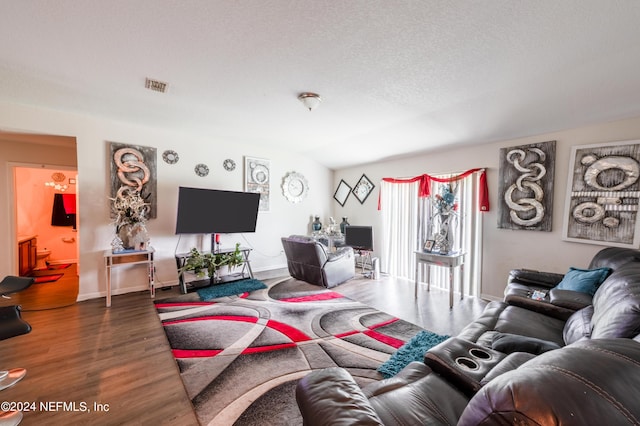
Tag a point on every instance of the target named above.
point(69, 203)
point(195, 353)
point(382, 324)
point(46, 278)
point(314, 297)
point(391, 341)
point(291, 332)
point(268, 348)
point(483, 197)
point(214, 318)
point(425, 185)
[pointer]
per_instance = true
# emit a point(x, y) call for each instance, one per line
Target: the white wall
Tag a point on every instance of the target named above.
point(92, 136)
point(503, 249)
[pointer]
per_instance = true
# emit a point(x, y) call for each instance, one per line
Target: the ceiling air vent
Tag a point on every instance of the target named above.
point(156, 85)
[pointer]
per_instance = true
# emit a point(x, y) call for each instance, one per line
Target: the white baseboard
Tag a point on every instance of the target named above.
point(263, 273)
point(490, 298)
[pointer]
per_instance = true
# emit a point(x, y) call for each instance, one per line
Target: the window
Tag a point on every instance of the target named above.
point(407, 223)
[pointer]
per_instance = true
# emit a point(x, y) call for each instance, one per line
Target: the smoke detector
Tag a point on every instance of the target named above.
point(155, 85)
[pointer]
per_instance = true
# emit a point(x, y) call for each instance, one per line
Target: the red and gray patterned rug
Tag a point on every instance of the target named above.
point(240, 357)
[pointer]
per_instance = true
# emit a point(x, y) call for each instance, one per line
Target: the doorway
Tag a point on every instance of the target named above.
point(41, 195)
point(32, 190)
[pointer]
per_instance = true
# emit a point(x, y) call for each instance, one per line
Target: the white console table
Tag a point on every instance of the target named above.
point(451, 261)
point(129, 257)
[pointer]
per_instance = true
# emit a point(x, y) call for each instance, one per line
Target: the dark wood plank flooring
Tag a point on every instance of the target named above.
point(119, 357)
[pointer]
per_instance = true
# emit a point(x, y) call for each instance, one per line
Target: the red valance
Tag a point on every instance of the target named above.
point(425, 185)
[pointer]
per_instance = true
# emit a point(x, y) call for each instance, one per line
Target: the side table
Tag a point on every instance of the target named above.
point(129, 257)
point(450, 261)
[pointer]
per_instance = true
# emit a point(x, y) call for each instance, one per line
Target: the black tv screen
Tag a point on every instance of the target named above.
point(209, 211)
point(359, 237)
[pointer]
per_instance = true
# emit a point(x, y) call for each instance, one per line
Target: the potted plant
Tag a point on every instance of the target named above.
point(201, 264)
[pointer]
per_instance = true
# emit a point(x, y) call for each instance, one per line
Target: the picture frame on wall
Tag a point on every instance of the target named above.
point(135, 167)
point(526, 185)
point(257, 178)
point(363, 188)
point(603, 194)
point(342, 192)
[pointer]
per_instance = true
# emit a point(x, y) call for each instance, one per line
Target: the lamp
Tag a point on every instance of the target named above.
point(309, 100)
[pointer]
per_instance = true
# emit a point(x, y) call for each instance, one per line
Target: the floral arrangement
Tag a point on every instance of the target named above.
point(445, 201)
point(129, 208)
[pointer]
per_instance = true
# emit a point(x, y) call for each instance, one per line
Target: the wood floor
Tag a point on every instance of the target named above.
point(88, 364)
point(49, 295)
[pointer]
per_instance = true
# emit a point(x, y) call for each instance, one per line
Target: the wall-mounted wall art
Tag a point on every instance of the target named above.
point(526, 186)
point(603, 194)
point(257, 177)
point(342, 192)
point(134, 166)
point(363, 188)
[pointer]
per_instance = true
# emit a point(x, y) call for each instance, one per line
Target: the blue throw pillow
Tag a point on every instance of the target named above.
point(583, 280)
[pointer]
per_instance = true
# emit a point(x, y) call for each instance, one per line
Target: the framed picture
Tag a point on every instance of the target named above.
point(363, 188)
point(257, 178)
point(603, 195)
point(134, 166)
point(342, 192)
point(428, 245)
point(526, 186)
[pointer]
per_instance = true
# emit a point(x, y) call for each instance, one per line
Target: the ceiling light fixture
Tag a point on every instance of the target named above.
point(309, 100)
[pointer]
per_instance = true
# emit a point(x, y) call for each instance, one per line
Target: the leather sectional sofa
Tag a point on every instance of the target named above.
point(562, 359)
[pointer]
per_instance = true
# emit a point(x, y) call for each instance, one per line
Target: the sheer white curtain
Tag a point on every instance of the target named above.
point(402, 227)
point(407, 224)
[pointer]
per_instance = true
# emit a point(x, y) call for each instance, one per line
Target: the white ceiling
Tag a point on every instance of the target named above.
point(396, 76)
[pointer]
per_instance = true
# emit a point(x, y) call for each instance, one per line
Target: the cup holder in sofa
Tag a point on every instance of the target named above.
point(467, 363)
point(479, 353)
point(463, 362)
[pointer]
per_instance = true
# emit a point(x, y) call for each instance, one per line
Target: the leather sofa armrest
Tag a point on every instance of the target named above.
point(339, 254)
point(536, 278)
point(511, 362)
point(570, 299)
point(331, 396)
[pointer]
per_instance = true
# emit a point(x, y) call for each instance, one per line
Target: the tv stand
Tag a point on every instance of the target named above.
point(365, 259)
point(181, 259)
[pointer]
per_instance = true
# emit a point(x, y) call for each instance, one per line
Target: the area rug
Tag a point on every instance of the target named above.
point(240, 357)
point(58, 266)
point(411, 351)
point(229, 289)
point(41, 279)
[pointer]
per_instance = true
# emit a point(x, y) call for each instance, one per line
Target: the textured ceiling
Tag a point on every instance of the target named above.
point(396, 77)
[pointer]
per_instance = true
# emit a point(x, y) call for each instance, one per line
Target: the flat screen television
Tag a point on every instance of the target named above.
point(359, 237)
point(209, 211)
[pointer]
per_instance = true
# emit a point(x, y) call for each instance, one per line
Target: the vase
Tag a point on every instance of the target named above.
point(444, 238)
point(134, 236)
point(316, 225)
point(343, 225)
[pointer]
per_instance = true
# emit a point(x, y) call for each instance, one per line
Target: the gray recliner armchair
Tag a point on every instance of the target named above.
point(311, 261)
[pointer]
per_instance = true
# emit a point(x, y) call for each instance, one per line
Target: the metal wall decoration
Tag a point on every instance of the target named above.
point(257, 177)
point(526, 186)
point(603, 194)
point(135, 167)
point(363, 188)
